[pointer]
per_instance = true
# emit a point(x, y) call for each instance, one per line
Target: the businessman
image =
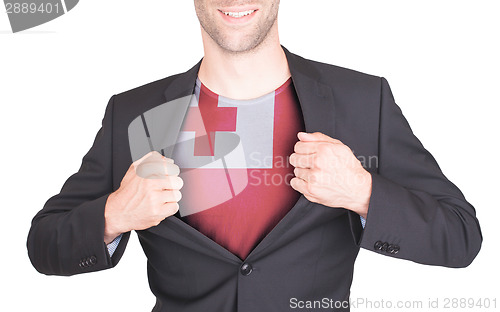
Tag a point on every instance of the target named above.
point(247, 179)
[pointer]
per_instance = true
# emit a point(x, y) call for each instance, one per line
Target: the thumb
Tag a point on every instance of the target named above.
point(152, 156)
point(132, 169)
point(316, 137)
point(149, 156)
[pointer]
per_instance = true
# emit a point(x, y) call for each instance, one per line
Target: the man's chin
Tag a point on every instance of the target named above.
point(240, 45)
point(238, 50)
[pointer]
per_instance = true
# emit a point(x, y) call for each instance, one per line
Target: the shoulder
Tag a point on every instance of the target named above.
point(126, 106)
point(335, 76)
point(149, 91)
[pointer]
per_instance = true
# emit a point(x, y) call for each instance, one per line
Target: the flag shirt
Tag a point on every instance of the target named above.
point(234, 161)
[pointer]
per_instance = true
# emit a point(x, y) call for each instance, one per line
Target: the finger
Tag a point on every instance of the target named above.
point(171, 208)
point(172, 169)
point(151, 170)
point(302, 161)
point(171, 196)
point(152, 156)
point(146, 156)
point(172, 183)
point(301, 173)
point(157, 169)
point(311, 198)
point(169, 160)
point(167, 183)
point(135, 164)
point(301, 186)
point(316, 137)
point(132, 169)
point(302, 147)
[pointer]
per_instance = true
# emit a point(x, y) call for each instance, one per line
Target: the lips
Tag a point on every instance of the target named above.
point(237, 14)
point(36, 13)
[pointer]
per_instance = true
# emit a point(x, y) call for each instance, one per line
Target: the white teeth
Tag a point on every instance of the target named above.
point(239, 14)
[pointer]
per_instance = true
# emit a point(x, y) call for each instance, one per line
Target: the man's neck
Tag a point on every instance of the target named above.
point(245, 75)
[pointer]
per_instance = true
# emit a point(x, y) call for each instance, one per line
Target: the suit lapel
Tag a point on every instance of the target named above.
point(317, 105)
point(183, 84)
point(179, 95)
point(158, 127)
point(316, 99)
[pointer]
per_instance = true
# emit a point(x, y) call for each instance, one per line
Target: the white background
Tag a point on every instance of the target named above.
point(440, 57)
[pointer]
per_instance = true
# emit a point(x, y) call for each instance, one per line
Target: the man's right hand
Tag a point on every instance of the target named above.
point(148, 193)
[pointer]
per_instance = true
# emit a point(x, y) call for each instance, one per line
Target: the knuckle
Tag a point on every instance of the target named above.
point(172, 208)
point(311, 189)
point(177, 195)
point(299, 161)
point(147, 184)
point(303, 162)
point(179, 183)
point(170, 182)
point(314, 177)
point(168, 160)
point(157, 221)
point(318, 161)
point(311, 199)
point(165, 184)
point(346, 148)
point(324, 148)
point(296, 147)
point(296, 172)
point(343, 151)
point(172, 196)
point(172, 169)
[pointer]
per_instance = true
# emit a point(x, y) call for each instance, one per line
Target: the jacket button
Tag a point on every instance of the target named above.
point(93, 260)
point(83, 264)
point(395, 249)
point(246, 269)
point(390, 248)
point(378, 245)
point(384, 247)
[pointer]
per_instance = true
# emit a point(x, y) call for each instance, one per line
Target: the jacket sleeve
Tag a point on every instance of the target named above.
point(67, 235)
point(415, 212)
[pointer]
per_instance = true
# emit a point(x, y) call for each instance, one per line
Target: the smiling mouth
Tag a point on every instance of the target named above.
point(238, 14)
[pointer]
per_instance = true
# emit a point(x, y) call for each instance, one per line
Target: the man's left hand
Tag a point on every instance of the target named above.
point(327, 172)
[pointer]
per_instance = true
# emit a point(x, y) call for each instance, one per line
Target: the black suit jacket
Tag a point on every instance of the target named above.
point(415, 212)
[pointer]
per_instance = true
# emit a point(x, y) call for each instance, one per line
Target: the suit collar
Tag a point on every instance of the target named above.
point(316, 98)
point(183, 84)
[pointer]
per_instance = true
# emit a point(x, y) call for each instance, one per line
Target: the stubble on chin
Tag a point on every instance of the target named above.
point(248, 43)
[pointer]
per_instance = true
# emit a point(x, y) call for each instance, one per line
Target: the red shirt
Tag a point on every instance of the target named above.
point(245, 218)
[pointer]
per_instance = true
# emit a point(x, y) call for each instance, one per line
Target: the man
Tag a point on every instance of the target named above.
point(266, 246)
